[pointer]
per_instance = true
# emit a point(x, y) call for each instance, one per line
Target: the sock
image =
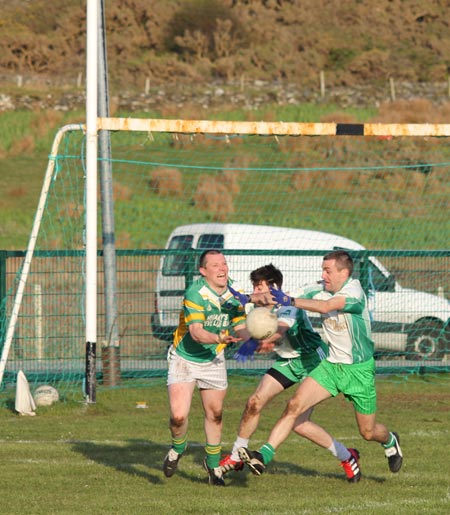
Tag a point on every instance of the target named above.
point(390, 442)
point(268, 452)
point(240, 442)
point(339, 450)
point(213, 455)
point(179, 444)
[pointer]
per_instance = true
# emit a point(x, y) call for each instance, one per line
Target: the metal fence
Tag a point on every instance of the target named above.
point(409, 306)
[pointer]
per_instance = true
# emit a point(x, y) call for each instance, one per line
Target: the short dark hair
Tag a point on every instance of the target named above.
point(268, 273)
point(205, 254)
point(342, 258)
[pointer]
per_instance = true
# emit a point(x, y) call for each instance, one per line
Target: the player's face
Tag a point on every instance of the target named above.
point(333, 278)
point(215, 272)
point(261, 287)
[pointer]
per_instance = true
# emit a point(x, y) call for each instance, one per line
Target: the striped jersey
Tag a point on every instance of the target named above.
point(217, 313)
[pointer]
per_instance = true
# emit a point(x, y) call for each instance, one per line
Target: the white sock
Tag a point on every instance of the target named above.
point(340, 451)
point(240, 442)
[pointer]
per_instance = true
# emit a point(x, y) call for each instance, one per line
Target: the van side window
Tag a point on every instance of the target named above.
point(176, 265)
point(210, 241)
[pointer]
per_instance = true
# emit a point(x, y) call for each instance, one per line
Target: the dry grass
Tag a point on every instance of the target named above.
point(25, 145)
point(17, 192)
point(215, 198)
point(122, 192)
point(417, 110)
point(167, 182)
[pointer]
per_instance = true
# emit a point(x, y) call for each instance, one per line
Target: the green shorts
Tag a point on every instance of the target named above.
point(290, 371)
point(356, 382)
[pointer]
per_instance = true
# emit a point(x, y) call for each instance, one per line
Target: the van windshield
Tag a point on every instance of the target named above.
point(378, 281)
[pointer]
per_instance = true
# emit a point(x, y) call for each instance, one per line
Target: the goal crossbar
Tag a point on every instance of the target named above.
point(275, 128)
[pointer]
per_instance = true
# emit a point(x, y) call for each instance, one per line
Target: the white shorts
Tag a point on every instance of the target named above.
point(209, 376)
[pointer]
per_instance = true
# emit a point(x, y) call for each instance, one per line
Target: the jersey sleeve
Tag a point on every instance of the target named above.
point(354, 298)
point(193, 307)
point(309, 291)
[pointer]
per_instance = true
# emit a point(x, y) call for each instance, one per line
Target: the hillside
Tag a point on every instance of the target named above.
point(184, 44)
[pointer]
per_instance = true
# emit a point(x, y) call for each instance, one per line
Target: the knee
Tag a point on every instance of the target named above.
point(177, 421)
point(293, 408)
point(366, 433)
point(253, 406)
point(215, 417)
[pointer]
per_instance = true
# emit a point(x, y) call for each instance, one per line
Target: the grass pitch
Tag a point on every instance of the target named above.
point(106, 458)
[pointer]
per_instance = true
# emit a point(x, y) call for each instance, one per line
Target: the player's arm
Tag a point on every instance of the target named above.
point(201, 335)
point(335, 303)
point(268, 344)
point(242, 332)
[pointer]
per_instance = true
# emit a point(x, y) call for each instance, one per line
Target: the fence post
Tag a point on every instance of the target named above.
point(392, 88)
point(3, 258)
point(322, 84)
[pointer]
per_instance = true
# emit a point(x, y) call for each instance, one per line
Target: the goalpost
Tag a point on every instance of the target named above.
point(384, 185)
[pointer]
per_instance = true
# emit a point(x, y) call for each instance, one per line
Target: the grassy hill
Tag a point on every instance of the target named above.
point(197, 41)
point(185, 46)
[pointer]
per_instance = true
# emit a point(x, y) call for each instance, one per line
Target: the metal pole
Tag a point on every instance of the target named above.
point(110, 348)
point(91, 198)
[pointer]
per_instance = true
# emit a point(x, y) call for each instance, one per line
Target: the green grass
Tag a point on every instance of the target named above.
point(106, 458)
point(324, 205)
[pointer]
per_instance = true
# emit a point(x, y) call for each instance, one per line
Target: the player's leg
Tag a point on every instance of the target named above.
point(308, 394)
point(348, 458)
point(212, 401)
point(305, 428)
point(371, 430)
point(180, 398)
point(267, 389)
point(360, 389)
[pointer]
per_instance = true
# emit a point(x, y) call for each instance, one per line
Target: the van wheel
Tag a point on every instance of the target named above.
point(423, 342)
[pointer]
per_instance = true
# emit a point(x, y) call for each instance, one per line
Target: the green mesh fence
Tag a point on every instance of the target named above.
point(387, 196)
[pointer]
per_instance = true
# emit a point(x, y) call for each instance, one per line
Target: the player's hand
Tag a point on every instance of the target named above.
point(246, 350)
point(262, 299)
point(224, 338)
point(266, 347)
point(241, 297)
point(281, 298)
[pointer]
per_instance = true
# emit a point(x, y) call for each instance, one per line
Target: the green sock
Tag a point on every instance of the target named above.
point(179, 444)
point(390, 442)
point(268, 452)
point(213, 455)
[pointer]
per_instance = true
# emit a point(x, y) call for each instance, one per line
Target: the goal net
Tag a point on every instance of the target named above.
point(383, 188)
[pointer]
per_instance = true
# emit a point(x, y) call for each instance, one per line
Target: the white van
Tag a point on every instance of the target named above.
point(403, 320)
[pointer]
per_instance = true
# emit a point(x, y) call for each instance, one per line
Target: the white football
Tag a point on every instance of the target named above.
point(45, 395)
point(261, 323)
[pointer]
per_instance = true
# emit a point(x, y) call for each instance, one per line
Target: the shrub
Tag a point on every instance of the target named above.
point(167, 182)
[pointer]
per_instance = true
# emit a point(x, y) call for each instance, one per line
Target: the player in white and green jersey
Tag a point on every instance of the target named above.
point(349, 368)
point(348, 330)
point(209, 315)
point(299, 350)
